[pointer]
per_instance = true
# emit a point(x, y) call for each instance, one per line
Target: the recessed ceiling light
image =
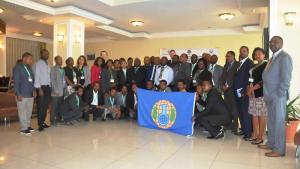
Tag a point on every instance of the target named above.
point(2, 10)
point(137, 23)
point(226, 16)
point(53, 0)
point(38, 34)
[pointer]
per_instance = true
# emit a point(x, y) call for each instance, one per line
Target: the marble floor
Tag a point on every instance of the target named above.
point(125, 145)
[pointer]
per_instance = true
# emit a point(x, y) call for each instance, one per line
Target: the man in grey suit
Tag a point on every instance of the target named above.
point(226, 84)
point(58, 84)
point(276, 83)
point(216, 71)
point(182, 71)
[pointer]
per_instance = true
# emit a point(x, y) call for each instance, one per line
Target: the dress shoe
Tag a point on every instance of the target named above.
point(211, 137)
point(256, 142)
point(45, 125)
point(220, 135)
point(41, 128)
point(264, 147)
point(273, 154)
point(239, 133)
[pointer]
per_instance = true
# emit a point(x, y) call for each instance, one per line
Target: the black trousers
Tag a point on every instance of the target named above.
point(43, 104)
point(206, 123)
point(229, 99)
point(244, 116)
point(124, 111)
point(95, 111)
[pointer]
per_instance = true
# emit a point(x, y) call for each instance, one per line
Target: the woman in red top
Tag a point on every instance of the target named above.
point(97, 69)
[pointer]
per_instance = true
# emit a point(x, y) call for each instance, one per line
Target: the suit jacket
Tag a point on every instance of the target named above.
point(242, 77)
point(122, 78)
point(216, 75)
point(149, 70)
point(57, 81)
point(215, 107)
point(204, 75)
point(131, 100)
point(105, 79)
point(70, 104)
point(89, 96)
point(182, 71)
point(277, 77)
point(139, 76)
point(120, 99)
point(228, 74)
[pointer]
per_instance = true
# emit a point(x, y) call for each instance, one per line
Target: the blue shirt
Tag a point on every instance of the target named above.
point(23, 80)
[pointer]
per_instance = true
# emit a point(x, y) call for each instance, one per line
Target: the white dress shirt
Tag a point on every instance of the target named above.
point(41, 71)
point(95, 98)
point(167, 75)
point(242, 62)
point(124, 71)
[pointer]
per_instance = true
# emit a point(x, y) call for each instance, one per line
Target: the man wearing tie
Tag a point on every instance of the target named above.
point(226, 84)
point(240, 88)
point(216, 71)
point(276, 83)
point(122, 75)
point(137, 74)
point(164, 72)
point(151, 71)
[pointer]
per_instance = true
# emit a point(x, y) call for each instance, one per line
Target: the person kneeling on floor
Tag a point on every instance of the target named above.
point(215, 114)
point(73, 106)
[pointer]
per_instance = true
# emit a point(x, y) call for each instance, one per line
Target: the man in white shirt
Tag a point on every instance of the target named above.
point(164, 72)
point(95, 100)
point(41, 71)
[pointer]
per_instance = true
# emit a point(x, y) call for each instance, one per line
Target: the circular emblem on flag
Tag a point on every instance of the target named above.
point(163, 114)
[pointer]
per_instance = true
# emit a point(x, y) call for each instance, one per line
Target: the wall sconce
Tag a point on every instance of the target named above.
point(60, 38)
point(77, 38)
point(1, 46)
point(289, 18)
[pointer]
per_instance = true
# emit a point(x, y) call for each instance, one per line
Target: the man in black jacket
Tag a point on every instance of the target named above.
point(137, 74)
point(95, 100)
point(215, 114)
point(73, 106)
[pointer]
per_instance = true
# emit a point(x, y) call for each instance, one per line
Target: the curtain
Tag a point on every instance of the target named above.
point(16, 47)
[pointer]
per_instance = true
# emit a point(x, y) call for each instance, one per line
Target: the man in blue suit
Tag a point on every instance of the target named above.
point(240, 89)
point(151, 70)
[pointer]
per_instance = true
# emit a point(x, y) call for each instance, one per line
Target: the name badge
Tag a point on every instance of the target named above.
point(251, 80)
point(82, 77)
point(29, 79)
point(112, 80)
point(194, 81)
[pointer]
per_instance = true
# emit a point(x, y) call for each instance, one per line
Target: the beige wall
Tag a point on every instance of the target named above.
point(290, 35)
point(149, 47)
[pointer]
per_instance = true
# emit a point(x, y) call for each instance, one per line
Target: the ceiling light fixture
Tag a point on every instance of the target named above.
point(38, 34)
point(289, 18)
point(53, 0)
point(137, 23)
point(226, 16)
point(2, 10)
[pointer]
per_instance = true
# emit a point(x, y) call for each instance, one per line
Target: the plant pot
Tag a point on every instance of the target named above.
point(291, 130)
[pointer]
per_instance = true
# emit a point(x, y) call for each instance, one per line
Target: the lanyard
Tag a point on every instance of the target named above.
point(123, 99)
point(29, 75)
point(111, 100)
point(77, 99)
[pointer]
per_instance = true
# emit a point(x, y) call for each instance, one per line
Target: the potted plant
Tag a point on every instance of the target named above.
point(292, 118)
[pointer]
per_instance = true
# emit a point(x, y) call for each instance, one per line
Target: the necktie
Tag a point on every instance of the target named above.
point(270, 62)
point(229, 66)
point(161, 72)
point(77, 100)
point(154, 73)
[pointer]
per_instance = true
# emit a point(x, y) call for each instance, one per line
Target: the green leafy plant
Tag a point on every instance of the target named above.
point(293, 110)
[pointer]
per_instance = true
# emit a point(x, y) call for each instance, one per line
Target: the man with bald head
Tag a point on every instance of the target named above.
point(276, 83)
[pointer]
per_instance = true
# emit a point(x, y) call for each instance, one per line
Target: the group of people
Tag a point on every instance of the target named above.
point(241, 92)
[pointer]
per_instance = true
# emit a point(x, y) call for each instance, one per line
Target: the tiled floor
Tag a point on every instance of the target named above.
point(124, 145)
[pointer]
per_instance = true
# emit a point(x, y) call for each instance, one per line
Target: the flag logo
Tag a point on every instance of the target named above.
point(163, 114)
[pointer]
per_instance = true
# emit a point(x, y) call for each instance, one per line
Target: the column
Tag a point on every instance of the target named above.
point(2, 55)
point(68, 39)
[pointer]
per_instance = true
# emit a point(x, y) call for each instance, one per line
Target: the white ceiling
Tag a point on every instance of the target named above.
point(160, 16)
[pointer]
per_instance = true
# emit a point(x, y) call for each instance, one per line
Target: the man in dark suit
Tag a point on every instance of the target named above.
point(216, 71)
point(182, 71)
point(95, 100)
point(215, 114)
point(73, 106)
point(240, 89)
point(132, 101)
point(226, 84)
point(137, 74)
point(122, 75)
point(151, 70)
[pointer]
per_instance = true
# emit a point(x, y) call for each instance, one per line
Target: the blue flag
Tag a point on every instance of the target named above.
point(171, 111)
